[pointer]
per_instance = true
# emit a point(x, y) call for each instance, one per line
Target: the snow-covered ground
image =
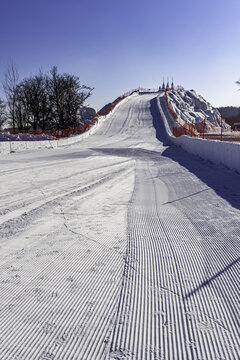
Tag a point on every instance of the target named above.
point(121, 246)
point(223, 153)
point(14, 143)
point(5, 136)
point(193, 108)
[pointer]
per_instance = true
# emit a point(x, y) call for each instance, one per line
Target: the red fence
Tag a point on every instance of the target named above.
point(57, 133)
point(199, 129)
point(72, 131)
point(184, 128)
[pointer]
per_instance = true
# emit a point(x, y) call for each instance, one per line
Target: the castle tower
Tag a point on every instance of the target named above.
point(167, 86)
point(163, 85)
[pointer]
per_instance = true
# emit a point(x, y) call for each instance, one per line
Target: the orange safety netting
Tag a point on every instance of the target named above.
point(72, 131)
point(196, 129)
point(184, 128)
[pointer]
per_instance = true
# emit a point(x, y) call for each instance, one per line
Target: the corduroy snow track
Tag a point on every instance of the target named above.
point(122, 246)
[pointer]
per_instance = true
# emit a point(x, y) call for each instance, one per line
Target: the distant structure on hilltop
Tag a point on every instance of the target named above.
point(163, 86)
point(166, 87)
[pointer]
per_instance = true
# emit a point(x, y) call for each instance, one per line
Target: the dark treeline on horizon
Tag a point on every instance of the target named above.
point(230, 111)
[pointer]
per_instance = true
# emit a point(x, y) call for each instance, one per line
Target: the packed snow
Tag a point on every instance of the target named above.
point(121, 246)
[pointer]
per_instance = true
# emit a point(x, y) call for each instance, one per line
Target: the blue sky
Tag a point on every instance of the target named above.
point(115, 46)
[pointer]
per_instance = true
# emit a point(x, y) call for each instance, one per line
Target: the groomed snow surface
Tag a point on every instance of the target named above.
point(121, 246)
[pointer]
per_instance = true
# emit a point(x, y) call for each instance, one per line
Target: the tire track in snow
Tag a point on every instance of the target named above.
point(58, 182)
point(70, 314)
point(20, 215)
point(48, 249)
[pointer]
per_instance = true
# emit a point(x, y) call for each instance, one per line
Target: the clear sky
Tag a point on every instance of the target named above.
point(115, 46)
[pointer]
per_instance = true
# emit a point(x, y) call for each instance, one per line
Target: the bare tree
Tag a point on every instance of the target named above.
point(32, 95)
point(10, 83)
point(3, 115)
point(46, 101)
point(67, 96)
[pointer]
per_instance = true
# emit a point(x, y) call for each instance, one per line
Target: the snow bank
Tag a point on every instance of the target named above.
point(6, 147)
point(192, 107)
point(5, 136)
point(218, 152)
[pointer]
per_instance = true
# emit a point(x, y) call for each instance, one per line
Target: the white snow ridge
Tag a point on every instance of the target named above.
point(192, 108)
point(120, 246)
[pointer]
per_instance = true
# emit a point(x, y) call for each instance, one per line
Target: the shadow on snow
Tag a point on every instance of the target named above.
point(225, 182)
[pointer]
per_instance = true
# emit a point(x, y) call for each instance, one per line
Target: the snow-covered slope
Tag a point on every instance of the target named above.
point(192, 107)
point(119, 247)
point(21, 142)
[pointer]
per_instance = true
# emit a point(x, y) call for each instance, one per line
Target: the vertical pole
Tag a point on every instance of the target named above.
point(221, 125)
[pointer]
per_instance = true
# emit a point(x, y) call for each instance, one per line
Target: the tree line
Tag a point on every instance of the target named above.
point(45, 101)
point(230, 111)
